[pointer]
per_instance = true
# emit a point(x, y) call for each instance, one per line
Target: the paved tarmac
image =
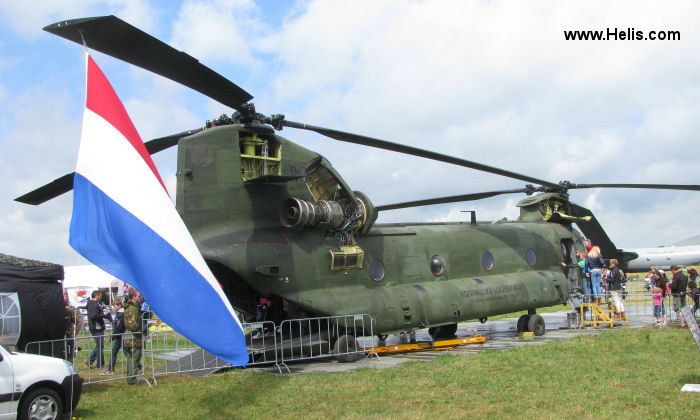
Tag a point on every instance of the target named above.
point(502, 335)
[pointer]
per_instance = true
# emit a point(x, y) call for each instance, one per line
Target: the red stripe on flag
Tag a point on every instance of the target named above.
point(102, 100)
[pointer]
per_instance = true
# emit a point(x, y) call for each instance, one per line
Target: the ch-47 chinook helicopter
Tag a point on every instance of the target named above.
point(275, 220)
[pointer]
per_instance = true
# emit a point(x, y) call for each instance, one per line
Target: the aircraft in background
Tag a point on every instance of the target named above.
point(683, 253)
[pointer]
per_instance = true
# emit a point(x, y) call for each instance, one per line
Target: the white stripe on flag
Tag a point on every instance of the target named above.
point(109, 162)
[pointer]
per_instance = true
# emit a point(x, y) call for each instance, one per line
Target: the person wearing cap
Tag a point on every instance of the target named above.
point(679, 285)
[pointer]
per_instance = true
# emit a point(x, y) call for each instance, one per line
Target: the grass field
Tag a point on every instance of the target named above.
point(620, 373)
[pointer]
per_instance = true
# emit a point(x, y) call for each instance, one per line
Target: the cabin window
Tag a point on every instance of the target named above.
point(487, 261)
point(376, 270)
point(531, 257)
point(437, 265)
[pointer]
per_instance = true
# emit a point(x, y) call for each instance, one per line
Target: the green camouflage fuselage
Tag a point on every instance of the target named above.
point(233, 214)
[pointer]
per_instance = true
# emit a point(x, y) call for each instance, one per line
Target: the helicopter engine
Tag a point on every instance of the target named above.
point(338, 215)
point(297, 212)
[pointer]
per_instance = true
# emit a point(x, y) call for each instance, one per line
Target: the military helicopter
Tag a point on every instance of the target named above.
point(276, 220)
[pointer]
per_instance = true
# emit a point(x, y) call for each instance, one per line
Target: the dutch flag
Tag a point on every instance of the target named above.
point(125, 223)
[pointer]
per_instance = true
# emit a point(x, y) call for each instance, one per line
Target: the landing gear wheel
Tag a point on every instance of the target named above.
point(522, 323)
point(443, 331)
point(434, 332)
point(346, 349)
point(448, 331)
point(42, 403)
point(536, 325)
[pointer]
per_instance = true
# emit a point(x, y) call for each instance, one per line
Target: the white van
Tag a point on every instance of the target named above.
point(33, 386)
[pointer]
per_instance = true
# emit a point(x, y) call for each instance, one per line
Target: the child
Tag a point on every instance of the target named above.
point(658, 294)
point(118, 329)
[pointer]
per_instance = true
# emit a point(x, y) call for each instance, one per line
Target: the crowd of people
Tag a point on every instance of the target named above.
point(596, 277)
point(680, 288)
point(127, 331)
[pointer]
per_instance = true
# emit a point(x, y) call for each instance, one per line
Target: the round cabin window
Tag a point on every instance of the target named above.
point(531, 257)
point(487, 261)
point(376, 270)
point(437, 265)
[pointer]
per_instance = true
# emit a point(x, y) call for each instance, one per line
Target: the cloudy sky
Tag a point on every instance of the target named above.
point(490, 81)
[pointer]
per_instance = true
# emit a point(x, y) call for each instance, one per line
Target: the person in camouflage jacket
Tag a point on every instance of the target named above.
point(132, 338)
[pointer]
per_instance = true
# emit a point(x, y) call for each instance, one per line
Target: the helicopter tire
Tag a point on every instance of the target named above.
point(536, 325)
point(448, 331)
point(443, 331)
point(346, 349)
point(434, 332)
point(523, 323)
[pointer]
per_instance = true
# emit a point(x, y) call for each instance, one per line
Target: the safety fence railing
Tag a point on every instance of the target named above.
point(165, 352)
point(636, 305)
point(261, 342)
point(169, 352)
point(346, 337)
point(97, 358)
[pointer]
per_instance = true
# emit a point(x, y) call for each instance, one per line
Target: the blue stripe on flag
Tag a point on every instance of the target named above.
point(116, 241)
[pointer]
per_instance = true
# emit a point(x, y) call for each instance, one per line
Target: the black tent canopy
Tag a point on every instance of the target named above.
point(38, 301)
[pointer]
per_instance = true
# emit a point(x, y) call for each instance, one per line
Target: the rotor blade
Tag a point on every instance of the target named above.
point(113, 36)
point(65, 183)
point(595, 232)
point(450, 199)
point(395, 147)
point(49, 191)
point(162, 143)
point(568, 185)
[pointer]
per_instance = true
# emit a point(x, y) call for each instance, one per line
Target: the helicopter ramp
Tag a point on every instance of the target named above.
point(195, 363)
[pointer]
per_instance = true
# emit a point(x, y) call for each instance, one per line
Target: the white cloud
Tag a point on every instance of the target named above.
point(495, 83)
point(38, 146)
point(27, 17)
point(219, 30)
point(492, 82)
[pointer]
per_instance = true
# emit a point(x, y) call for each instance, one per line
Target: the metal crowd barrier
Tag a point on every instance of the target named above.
point(322, 337)
point(637, 304)
point(261, 342)
point(82, 346)
point(166, 352)
point(169, 352)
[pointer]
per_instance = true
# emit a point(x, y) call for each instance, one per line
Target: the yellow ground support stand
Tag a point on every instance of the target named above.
point(427, 345)
point(600, 315)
